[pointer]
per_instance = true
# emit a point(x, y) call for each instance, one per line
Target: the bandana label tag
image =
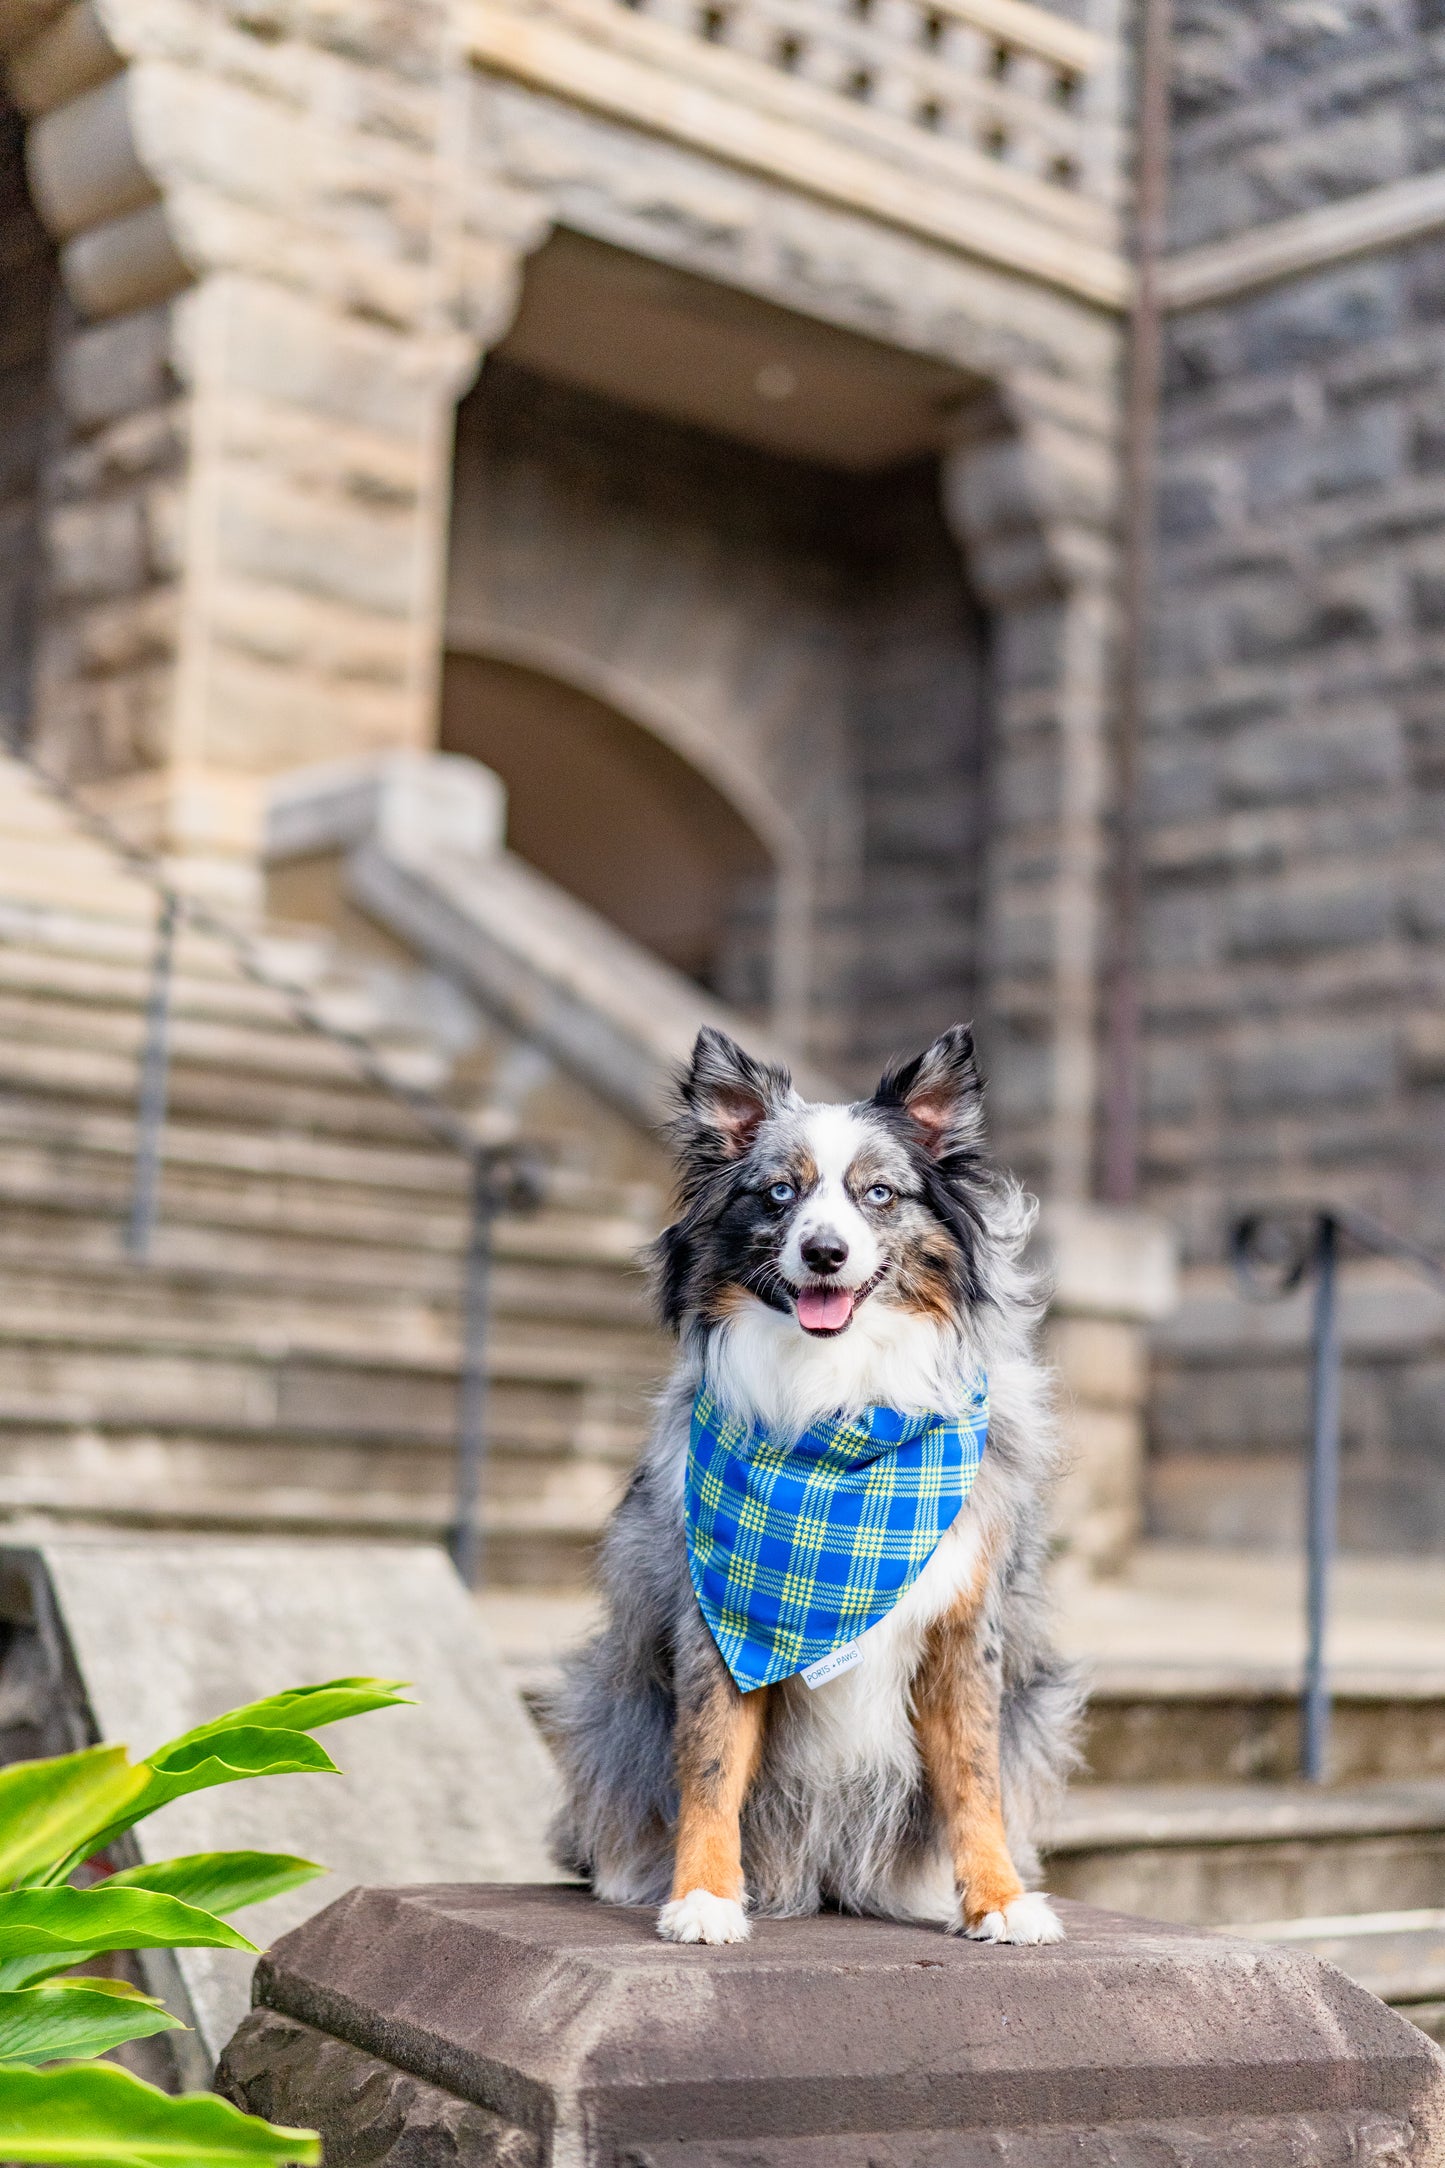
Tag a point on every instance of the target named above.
point(831, 1666)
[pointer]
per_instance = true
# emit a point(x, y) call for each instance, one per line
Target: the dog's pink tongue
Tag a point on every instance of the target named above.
point(824, 1309)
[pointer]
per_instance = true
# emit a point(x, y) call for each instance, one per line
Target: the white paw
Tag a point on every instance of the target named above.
point(701, 1917)
point(1030, 1918)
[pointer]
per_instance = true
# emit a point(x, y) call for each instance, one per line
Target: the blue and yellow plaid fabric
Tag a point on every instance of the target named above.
point(796, 1550)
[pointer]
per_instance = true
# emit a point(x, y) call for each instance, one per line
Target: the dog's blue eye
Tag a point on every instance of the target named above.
point(782, 1193)
point(880, 1193)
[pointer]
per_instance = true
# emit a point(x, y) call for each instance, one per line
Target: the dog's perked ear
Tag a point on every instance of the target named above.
point(940, 1092)
point(724, 1097)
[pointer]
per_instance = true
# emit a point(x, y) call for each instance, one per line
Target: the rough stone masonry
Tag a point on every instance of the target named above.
point(537, 2028)
point(1295, 918)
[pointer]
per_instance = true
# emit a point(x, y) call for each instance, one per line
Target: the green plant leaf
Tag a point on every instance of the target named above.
point(299, 1708)
point(98, 2116)
point(220, 1881)
point(75, 2017)
point(264, 1738)
point(50, 1810)
point(42, 1931)
point(227, 1757)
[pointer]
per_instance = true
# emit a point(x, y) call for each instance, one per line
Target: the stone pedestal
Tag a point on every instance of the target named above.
point(1114, 1274)
point(473, 2025)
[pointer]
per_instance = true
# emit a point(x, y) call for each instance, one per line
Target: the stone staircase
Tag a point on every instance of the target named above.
point(287, 1356)
point(1191, 1812)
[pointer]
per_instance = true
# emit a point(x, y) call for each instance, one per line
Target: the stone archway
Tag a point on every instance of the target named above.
point(609, 810)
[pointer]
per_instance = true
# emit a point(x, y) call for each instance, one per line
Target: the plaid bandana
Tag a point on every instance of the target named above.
point(796, 1550)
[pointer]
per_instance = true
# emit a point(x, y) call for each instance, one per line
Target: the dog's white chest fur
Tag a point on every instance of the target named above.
point(760, 1365)
point(861, 1721)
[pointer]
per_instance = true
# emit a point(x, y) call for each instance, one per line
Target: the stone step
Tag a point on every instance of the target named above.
point(349, 1225)
point(548, 1483)
point(79, 1154)
point(27, 807)
point(70, 931)
point(48, 979)
point(1217, 1854)
point(215, 1258)
point(278, 1480)
point(294, 1147)
point(255, 1045)
point(326, 1097)
point(113, 1354)
point(287, 1358)
point(237, 1025)
point(42, 869)
point(1172, 1724)
point(1399, 1956)
point(167, 1312)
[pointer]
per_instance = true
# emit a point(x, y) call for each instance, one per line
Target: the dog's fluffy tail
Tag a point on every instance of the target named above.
point(610, 1726)
point(1038, 1749)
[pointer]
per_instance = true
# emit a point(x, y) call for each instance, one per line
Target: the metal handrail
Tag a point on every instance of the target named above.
point(502, 1177)
point(1276, 1250)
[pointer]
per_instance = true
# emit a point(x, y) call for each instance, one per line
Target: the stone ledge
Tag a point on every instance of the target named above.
point(825, 2040)
point(419, 836)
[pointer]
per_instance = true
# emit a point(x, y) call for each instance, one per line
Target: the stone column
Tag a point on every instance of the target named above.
point(1029, 489)
point(277, 288)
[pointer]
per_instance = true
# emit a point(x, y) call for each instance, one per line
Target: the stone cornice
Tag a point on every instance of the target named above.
point(1384, 217)
point(648, 74)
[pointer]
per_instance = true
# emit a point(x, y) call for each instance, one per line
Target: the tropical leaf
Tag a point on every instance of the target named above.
point(298, 1708)
point(42, 1931)
point(76, 2017)
point(225, 1757)
point(98, 2116)
point(219, 1881)
point(50, 1810)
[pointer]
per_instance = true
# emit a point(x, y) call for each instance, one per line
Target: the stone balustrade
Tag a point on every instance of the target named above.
point(1008, 79)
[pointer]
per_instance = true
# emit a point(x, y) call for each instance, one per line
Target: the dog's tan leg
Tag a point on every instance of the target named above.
point(957, 1697)
point(718, 1744)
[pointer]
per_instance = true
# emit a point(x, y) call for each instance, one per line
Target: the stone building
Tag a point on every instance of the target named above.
point(708, 419)
point(1295, 914)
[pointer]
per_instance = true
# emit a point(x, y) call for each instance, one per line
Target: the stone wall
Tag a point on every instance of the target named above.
point(808, 630)
point(113, 548)
point(259, 229)
point(29, 296)
point(1296, 766)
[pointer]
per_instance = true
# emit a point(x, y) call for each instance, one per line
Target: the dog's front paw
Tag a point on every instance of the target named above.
point(701, 1917)
point(1030, 1918)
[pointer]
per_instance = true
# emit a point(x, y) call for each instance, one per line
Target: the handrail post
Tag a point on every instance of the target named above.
point(154, 1090)
point(466, 1542)
point(1323, 1502)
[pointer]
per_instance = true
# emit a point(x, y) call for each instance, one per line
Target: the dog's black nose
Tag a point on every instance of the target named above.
point(824, 1253)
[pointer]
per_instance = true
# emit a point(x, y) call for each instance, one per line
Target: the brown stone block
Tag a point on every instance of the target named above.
point(1424, 1048)
point(150, 442)
point(372, 467)
point(115, 369)
point(263, 720)
point(105, 727)
point(829, 2042)
point(274, 626)
point(1101, 1361)
point(274, 533)
point(118, 636)
point(95, 549)
point(1100, 1502)
point(286, 347)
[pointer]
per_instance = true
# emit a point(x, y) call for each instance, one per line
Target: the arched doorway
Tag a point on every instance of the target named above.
point(611, 813)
